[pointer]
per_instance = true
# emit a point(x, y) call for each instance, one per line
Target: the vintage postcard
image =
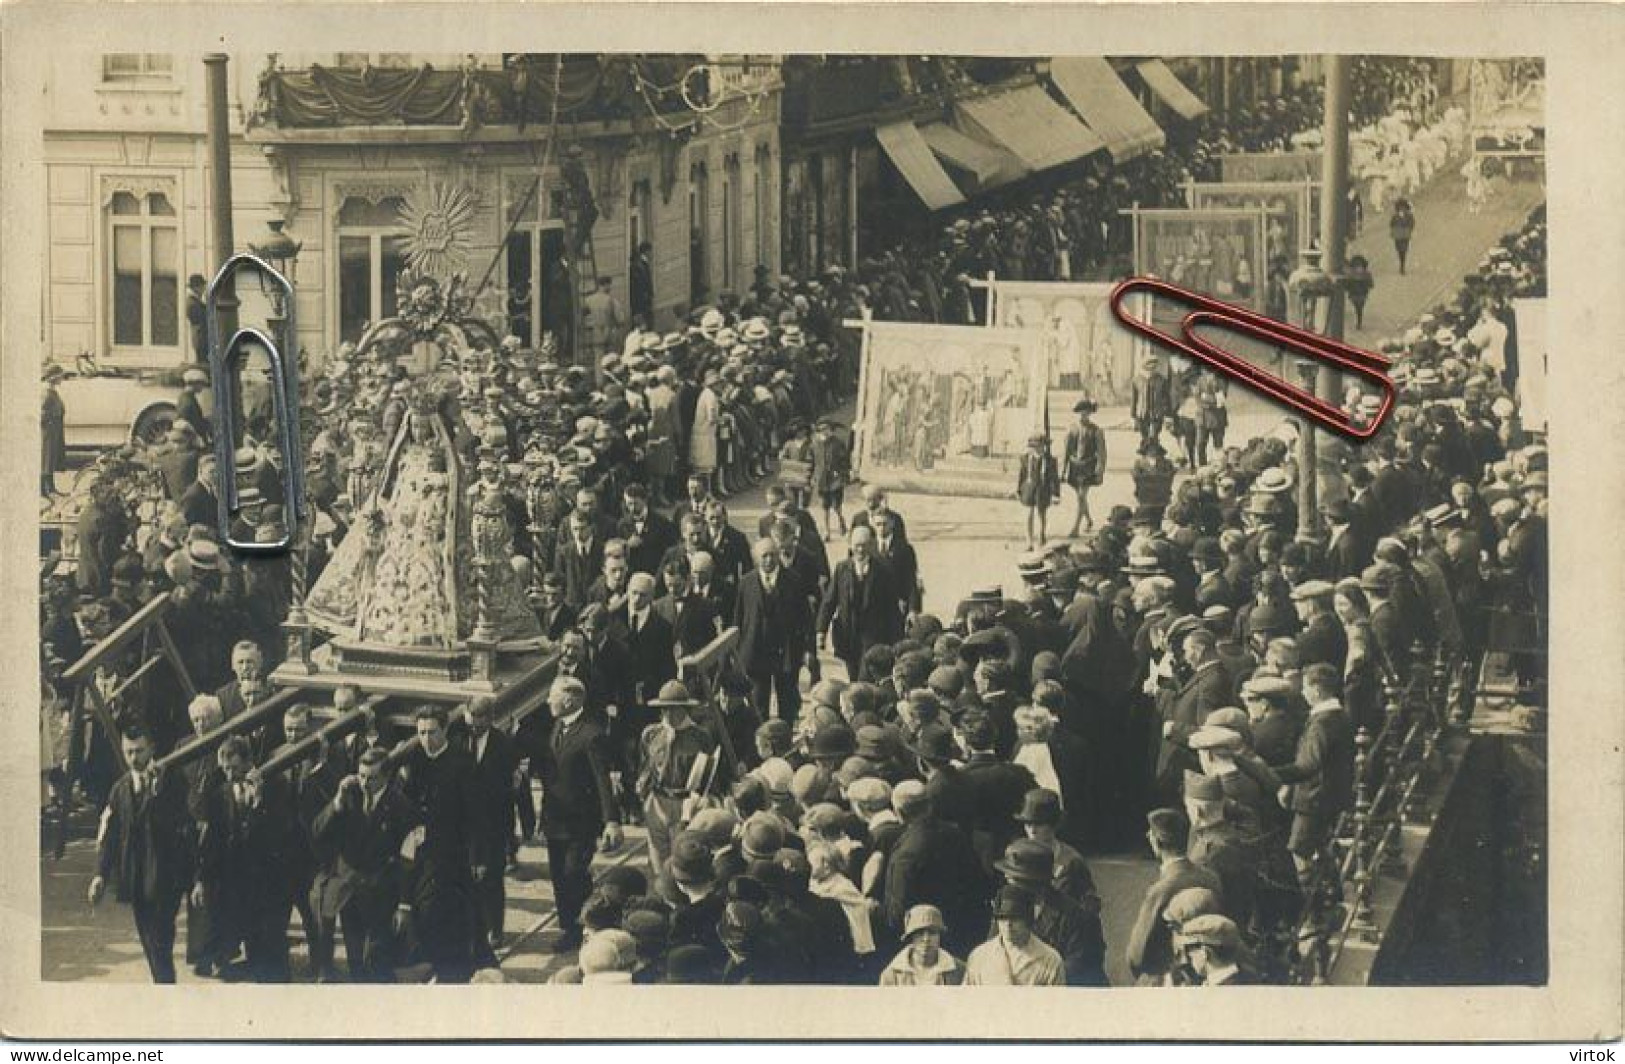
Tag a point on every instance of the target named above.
point(671, 536)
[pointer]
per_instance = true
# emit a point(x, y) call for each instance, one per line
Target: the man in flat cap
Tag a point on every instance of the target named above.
point(1212, 946)
point(1218, 842)
point(1321, 774)
point(1322, 637)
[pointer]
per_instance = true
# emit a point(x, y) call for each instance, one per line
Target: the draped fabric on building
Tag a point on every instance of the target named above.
point(522, 93)
point(324, 96)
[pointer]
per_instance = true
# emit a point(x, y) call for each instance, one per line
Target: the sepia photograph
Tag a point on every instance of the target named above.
point(670, 518)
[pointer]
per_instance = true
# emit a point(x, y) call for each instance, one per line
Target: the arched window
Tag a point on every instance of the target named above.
point(144, 290)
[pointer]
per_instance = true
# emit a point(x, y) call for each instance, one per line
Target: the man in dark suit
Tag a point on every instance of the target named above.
point(496, 779)
point(651, 659)
point(143, 850)
point(772, 617)
point(1322, 773)
point(934, 863)
point(312, 785)
point(1322, 637)
point(198, 503)
point(730, 548)
point(648, 535)
point(578, 559)
point(245, 859)
point(693, 619)
point(863, 606)
point(363, 828)
point(898, 555)
point(1150, 944)
point(1212, 589)
point(579, 810)
point(722, 595)
point(556, 615)
point(699, 494)
point(438, 778)
point(1346, 551)
point(1206, 688)
point(874, 505)
point(248, 688)
point(997, 788)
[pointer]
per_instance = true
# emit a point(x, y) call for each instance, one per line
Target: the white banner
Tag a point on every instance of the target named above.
point(1085, 348)
point(1530, 315)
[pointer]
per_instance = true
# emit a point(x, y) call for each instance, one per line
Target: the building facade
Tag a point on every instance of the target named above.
point(379, 163)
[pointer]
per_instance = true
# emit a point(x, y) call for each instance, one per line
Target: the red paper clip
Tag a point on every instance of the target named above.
point(1211, 312)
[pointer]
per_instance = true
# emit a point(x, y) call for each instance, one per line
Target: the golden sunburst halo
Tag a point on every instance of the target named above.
point(440, 227)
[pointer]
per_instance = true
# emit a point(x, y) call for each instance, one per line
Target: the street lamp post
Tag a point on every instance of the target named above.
point(1320, 281)
point(1312, 290)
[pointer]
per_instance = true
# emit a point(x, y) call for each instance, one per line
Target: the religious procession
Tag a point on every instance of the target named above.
point(628, 578)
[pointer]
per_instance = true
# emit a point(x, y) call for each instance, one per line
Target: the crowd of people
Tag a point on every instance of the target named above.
point(1069, 226)
point(863, 792)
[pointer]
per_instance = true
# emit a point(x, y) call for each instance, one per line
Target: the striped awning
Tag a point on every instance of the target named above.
point(990, 164)
point(1037, 130)
point(1170, 90)
point(1095, 91)
point(912, 156)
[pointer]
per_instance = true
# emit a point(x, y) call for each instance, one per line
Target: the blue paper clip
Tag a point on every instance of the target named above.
point(224, 356)
point(1217, 315)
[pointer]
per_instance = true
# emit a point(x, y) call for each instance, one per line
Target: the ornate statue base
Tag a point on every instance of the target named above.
point(450, 665)
point(518, 672)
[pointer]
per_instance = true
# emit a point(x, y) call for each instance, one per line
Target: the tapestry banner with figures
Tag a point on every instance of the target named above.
point(1085, 348)
point(1218, 252)
point(1270, 166)
point(948, 409)
point(1292, 210)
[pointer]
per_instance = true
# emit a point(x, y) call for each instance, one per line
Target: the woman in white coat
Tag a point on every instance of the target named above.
point(702, 440)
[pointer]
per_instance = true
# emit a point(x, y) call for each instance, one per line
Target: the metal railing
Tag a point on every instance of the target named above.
point(1393, 771)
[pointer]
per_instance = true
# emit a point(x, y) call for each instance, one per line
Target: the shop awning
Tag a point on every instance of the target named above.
point(1093, 88)
point(912, 156)
point(1170, 90)
point(1037, 130)
point(991, 165)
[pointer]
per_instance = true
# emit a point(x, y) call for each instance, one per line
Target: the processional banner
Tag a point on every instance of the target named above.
point(1216, 251)
point(1084, 347)
point(1270, 166)
point(948, 409)
point(1292, 214)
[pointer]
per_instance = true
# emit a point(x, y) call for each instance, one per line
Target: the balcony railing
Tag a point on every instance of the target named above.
point(1396, 771)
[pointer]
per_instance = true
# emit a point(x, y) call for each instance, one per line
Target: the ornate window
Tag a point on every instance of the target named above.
point(371, 248)
point(138, 66)
point(762, 205)
point(144, 262)
point(699, 213)
point(730, 222)
point(534, 261)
